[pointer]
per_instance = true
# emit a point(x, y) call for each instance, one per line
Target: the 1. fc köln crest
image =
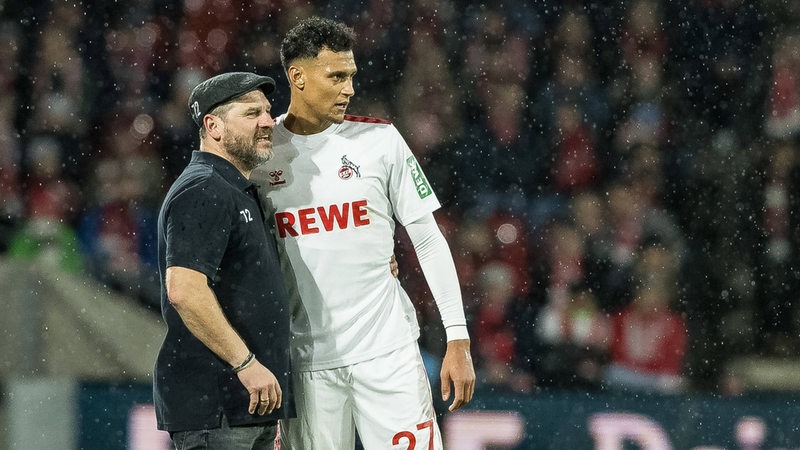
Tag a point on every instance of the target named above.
point(348, 169)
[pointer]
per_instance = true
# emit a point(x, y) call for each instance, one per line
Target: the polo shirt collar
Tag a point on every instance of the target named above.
point(228, 171)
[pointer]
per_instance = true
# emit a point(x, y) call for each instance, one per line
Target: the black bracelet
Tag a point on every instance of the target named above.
point(247, 361)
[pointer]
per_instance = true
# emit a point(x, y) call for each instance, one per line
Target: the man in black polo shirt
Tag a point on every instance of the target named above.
point(222, 373)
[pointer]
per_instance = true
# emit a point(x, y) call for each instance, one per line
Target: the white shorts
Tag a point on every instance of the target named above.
point(387, 399)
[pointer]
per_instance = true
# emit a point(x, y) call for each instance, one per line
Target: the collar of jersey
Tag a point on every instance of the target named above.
point(227, 170)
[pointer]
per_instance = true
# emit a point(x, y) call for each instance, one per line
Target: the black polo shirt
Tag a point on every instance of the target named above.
point(212, 222)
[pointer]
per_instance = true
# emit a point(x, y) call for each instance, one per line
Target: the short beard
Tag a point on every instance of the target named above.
point(244, 154)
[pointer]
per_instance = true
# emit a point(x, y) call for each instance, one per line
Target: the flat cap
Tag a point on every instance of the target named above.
point(223, 87)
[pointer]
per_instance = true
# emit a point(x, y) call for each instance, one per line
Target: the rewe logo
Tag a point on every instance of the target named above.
point(309, 220)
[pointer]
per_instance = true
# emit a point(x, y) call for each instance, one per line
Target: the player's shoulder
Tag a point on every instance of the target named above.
point(363, 126)
point(366, 120)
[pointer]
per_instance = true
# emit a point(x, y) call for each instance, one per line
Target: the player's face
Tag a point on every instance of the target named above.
point(248, 130)
point(329, 85)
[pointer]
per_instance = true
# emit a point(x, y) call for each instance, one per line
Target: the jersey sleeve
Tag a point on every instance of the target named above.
point(409, 191)
point(437, 264)
point(197, 230)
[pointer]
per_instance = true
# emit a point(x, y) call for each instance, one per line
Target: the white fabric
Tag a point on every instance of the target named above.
point(437, 264)
point(335, 401)
point(335, 196)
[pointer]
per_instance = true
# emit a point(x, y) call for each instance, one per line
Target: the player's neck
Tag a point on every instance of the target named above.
point(304, 123)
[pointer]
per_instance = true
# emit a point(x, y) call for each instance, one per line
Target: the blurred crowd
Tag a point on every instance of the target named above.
point(619, 178)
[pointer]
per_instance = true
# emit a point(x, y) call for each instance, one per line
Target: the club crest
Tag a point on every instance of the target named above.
point(348, 169)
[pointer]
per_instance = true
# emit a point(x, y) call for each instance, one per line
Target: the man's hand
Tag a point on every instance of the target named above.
point(265, 392)
point(394, 268)
point(457, 369)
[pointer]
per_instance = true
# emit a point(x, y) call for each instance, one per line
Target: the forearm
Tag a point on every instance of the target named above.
point(439, 269)
point(200, 311)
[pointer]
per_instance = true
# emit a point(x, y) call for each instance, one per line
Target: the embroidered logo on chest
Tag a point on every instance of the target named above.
point(348, 169)
point(276, 177)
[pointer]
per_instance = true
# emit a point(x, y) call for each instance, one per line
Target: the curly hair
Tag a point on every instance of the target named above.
point(311, 35)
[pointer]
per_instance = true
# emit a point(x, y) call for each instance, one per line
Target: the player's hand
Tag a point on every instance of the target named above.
point(457, 370)
point(394, 268)
point(265, 392)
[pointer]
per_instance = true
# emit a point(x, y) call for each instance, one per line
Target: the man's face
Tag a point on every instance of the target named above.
point(248, 130)
point(328, 85)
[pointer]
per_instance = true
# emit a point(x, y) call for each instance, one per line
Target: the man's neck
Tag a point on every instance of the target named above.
point(224, 155)
point(303, 124)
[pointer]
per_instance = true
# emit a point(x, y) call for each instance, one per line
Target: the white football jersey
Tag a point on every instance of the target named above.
point(334, 197)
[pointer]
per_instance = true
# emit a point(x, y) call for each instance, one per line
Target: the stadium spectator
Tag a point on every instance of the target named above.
point(576, 165)
point(496, 156)
point(60, 95)
point(501, 325)
point(560, 264)
point(634, 221)
point(174, 128)
point(776, 248)
point(642, 34)
point(495, 163)
point(51, 205)
point(782, 118)
point(721, 80)
point(572, 336)
point(569, 110)
point(647, 342)
point(117, 228)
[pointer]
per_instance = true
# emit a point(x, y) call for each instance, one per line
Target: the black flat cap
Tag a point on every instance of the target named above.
point(223, 87)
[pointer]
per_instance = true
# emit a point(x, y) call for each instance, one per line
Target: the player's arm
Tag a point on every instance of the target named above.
point(195, 302)
point(439, 269)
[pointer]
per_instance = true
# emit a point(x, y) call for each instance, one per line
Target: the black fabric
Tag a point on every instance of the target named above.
point(212, 222)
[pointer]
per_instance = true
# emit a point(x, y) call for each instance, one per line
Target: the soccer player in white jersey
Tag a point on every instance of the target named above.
point(335, 186)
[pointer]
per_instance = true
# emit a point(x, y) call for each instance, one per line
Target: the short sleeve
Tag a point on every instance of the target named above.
point(197, 229)
point(409, 190)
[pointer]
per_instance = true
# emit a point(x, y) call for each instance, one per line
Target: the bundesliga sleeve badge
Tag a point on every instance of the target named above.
point(420, 182)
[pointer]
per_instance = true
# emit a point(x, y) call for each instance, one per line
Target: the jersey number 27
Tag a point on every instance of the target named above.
point(412, 440)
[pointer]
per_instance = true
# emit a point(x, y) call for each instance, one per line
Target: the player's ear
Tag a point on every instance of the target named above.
point(296, 77)
point(213, 126)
